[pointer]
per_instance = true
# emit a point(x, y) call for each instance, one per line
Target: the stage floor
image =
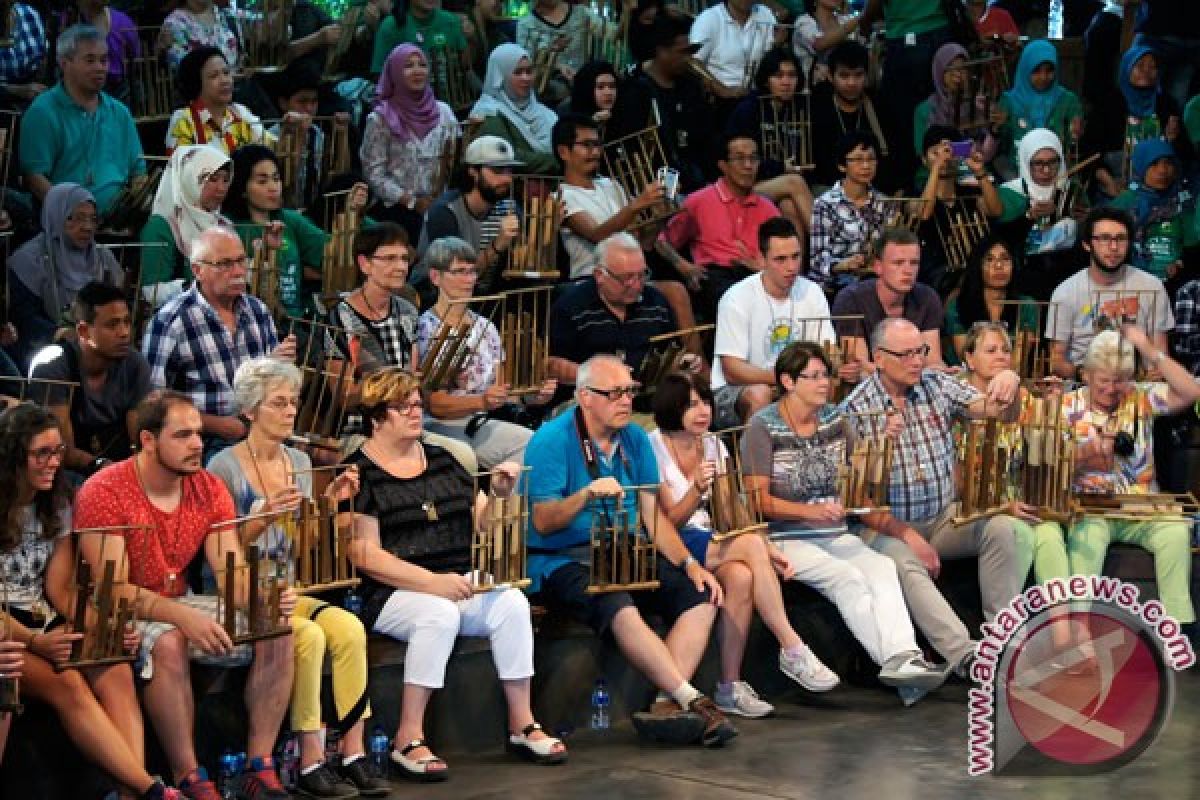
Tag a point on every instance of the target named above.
point(853, 744)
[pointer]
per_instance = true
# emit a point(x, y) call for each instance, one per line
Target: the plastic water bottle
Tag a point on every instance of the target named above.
point(289, 771)
point(228, 774)
point(600, 721)
point(353, 602)
point(379, 752)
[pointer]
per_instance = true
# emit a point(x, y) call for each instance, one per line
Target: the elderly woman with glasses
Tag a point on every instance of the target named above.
point(415, 514)
point(264, 475)
point(1111, 417)
point(465, 410)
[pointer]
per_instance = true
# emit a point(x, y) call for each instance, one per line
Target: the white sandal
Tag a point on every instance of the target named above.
point(417, 769)
point(539, 751)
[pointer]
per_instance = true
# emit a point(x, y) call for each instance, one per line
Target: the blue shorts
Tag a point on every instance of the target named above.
point(696, 541)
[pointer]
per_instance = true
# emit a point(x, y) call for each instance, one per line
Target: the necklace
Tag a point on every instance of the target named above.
point(376, 314)
point(787, 417)
point(427, 505)
point(262, 482)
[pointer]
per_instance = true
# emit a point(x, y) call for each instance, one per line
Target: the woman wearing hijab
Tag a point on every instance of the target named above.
point(1038, 100)
point(50, 268)
point(939, 108)
point(510, 109)
point(1041, 212)
point(1165, 219)
point(404, 140)
point(188, 201)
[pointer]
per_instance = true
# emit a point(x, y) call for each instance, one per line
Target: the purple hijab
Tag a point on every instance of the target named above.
point(941, 105)
point(409, 115)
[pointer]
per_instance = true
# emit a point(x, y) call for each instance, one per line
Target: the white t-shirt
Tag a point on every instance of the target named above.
point(1137, 292)
point(678, 483)
point(726, 48)
point(601, 203)
point(755, 327)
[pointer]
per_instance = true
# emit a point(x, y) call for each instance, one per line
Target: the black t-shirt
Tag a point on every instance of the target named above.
point(405, 529)
point(829, 125)
point(686, 118)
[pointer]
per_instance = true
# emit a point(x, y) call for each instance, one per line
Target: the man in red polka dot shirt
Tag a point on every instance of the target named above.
point(165, 490)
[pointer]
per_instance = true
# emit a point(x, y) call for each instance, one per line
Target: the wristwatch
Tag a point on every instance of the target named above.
point(687, 562)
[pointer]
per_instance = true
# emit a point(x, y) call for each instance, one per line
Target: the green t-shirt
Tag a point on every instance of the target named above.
point(1015, 127)
point(901, 17)
point(1027, 319)
point(423, 33)
point(536, 162)
point(1191, 120)
point(161, 263)
point(1162, 243)
point(303, 246)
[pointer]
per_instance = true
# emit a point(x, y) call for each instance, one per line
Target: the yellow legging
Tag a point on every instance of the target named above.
point(317, 625)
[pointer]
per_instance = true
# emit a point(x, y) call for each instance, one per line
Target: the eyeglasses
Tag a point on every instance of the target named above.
point(815, 377)
point(1044, 163)
point(407, 408)
point(617, 392)
point(390, 261)
point(1110, 239)
point(42, 455)
point(282, 403)
point(224, 265)
point(627, 280)
point(463, 272)
point(904, 355)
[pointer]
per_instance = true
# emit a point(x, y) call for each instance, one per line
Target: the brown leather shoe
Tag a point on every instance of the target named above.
point(717, 729)
point(665, 721)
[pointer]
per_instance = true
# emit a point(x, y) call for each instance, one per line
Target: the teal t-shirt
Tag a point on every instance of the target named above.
point(303, 246)
point(1161, 243)
point(901, 17)
point(423, 33)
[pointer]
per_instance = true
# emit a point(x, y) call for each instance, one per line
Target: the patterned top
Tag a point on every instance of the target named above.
point(1134, 416)
point(921, 485)
point(20, 62)
point(195, 125)
point(386, 343)
point(1187, 325)
point(841, 229)
point(396, 168)
point(482, 367)
point(802, 469)
point(187, 32)
point(23, 569)
point(191, 350)
point(158, 555)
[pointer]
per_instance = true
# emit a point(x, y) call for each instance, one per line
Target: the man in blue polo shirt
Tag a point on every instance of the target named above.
point(586, 462)
point(77, 133)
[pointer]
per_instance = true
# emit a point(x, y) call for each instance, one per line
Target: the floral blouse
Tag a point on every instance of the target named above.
point(1134, 416)
point(187, 32)
point(394, 169)
point(23, 569)
point(482, 367)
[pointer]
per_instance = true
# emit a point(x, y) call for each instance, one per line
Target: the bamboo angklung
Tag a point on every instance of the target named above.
point(984, 466)
point(448, 78)
point(328, 368)
point(104, 633)
point(289, 149)
point(1048, 467)
point(498, 554)
point(1030, 356)
point(864, 479)
point(131, 207)
point(151, 94)
point(983, 81)
point(735, 510)
point(633, 161)
point(525, 338)
point(10, 686)
point(666, 353)
point(534, 253)
point(606, 37)
point(336, 159)
point(967, 226)
point(262, 277)
point(455, 343)
point(253, 587)
point(319, 542)
point(264, 28)
point(339, 268)
point(352, 18)
point(623, 555)
point(787, 131)
point(45, 392)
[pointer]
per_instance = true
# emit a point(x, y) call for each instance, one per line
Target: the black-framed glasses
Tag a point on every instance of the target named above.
point(407, 408)
point(617, 392)
point(589, 144)
point(1111, 239)
point(225, 264)
point(904, 355)
point(627, 280)
point(42, 455)
point(1044, 163)
point(815, 377)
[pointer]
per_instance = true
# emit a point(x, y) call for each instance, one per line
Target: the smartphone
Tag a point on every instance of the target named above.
point(962, 149)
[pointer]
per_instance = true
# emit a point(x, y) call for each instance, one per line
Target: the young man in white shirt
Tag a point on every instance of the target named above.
point(761, 315)
point(733, 36)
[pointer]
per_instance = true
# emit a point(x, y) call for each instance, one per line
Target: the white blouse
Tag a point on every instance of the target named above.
point(678, 483)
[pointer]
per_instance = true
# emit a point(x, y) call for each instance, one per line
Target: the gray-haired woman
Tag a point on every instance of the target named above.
point(464, 411)
point(264, 474)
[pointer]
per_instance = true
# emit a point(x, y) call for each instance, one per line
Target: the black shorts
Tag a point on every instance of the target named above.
point(565, 590)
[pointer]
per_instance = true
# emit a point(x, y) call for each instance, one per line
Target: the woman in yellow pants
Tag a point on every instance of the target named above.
point(264, 475)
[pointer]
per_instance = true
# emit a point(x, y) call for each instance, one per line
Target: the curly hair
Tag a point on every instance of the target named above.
point(18, 426)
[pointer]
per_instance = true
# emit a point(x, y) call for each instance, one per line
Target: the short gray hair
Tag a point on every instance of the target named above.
point(618, 241)
point(256, 377)
point(1109, 352)
point(583, 376)
point(201, 247)
point(443, 252)
point(69, 40)
point(885, 327)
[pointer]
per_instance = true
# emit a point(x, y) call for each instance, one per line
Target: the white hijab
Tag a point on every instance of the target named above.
point(178, 197)
point(534, 120)
point(1038, 139)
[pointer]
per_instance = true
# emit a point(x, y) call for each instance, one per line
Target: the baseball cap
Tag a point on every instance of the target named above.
point(491, 151)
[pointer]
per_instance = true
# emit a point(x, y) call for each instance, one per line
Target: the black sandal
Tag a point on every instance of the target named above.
point(539, 751)
point(418, 769)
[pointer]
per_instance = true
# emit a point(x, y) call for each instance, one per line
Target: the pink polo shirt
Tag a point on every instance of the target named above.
point(719, 227)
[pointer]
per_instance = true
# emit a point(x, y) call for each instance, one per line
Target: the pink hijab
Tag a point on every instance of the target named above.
point(409, 115)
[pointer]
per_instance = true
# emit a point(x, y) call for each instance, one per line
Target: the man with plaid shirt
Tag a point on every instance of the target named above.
point(922, 491)
point(196, 342)
point(22, 59)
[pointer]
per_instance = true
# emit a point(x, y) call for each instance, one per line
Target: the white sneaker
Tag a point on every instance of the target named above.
point(742, 700)
point(808, 671)
point(912, 670)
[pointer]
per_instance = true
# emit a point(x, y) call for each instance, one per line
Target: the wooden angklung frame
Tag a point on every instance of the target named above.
point(666, 354)
point(623, 554)
point(264, 31)
point(525, 337)
point(965, 227)
point(606, 38)
point(534, 254)
point(151, 93)
point(319, 540)
point(1030, 353)
point(132, 206)
point(249, 593)
point(786, 130)
point(10, 685)
point(352, 18)
point(1047, 467)
point(448, 77)
point(262, 274)
point(498, 553)
point(984, 80)
point(984, 463)
point(142, 300)
point(327, 364)
point(44, 392)
point(339, 268)
point(98, 612)
point(633, 161)
point(864, 479)
point(453, 345)
point(734, 509)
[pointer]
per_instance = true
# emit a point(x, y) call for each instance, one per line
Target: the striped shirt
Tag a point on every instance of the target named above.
point(840, 229)
point(922, 479)
point(581, 325)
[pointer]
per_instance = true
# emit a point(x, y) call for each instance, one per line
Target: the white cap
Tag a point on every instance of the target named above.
point(491, 151)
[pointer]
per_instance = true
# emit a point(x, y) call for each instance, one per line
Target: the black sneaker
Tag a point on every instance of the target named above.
point(321, 782)
point(359, 774)
point(666, 722)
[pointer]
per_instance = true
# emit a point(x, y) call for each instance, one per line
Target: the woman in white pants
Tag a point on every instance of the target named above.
point(791, 453)
point(412, 548)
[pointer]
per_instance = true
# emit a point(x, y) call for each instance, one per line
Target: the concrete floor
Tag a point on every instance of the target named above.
point(855, 743)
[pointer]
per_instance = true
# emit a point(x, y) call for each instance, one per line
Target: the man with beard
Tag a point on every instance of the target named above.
point(480, 212)
point(1107, 293)
point(196, 342)
point(840, 106)
point(592, 461)
point(169, 503)
point(97, 417)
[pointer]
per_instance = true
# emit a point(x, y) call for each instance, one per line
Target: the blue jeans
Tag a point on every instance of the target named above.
point(1178, 62)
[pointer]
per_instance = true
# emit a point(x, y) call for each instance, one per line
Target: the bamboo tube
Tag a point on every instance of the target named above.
point(229, 590)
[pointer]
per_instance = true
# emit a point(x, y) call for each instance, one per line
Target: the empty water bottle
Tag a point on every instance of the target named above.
point(239, 762)
point(289, 764)
point(227, 774)
point(379, 752)
point(600, 719)
point(353, 602)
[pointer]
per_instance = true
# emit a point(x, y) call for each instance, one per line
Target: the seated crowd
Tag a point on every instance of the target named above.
point(240, 291)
